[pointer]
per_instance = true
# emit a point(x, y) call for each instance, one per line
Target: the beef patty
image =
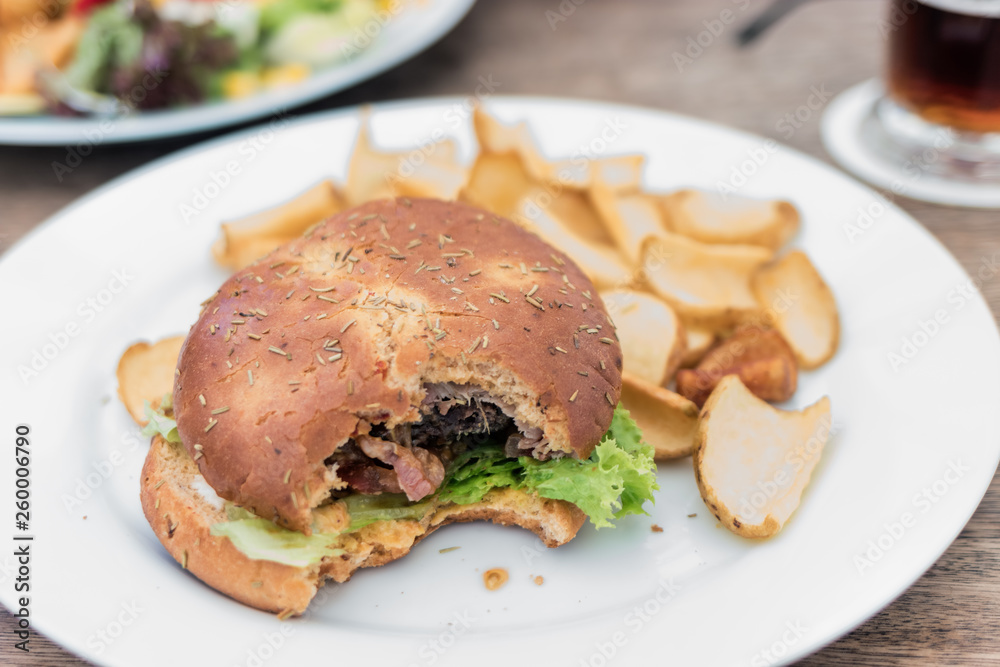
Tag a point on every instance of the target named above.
point(450, 424)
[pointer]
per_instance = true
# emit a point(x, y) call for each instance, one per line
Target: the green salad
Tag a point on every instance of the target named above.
point(154, 54)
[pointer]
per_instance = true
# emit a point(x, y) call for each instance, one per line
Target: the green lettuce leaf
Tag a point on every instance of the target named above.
point(617, 479)
point(477, 471)
point(626, 432)
point(638, 467)
point(261, 539)
point(111, 39)
point(159, 422)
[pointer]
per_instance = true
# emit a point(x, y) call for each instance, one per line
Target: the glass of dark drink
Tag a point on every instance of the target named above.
point(943, 87)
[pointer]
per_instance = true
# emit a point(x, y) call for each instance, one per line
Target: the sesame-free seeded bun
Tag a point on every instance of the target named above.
point(342, 329)
point(181, 508)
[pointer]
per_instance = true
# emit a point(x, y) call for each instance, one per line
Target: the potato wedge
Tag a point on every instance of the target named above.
point(247, 239)
point(752, 461)
point(146, 373)
point(746, 343)
point(699, 340)
point(497, 182)
point(602, 264)
point(509, 160)
point(760, 357)
point(369, 171)
point(618, 172)
point(373, 174)
point(669, 422)
point(631, 219)
point(446, 151)
point(709, 218)
point(651, 335)
point(792, 293)
point(771, 379)
point(516, 140)
point(706, 284)
point(495, 136)
point(578, 211)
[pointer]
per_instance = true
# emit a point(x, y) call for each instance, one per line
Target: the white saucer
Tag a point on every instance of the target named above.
point(850, 132)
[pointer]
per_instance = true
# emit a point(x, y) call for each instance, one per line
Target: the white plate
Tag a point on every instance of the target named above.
point(722, 600)
point(417, 26)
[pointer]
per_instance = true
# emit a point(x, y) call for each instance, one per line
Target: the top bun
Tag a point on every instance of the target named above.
point(342, 328)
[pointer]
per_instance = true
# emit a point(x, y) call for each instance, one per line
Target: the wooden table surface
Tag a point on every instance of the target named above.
point(622, 51)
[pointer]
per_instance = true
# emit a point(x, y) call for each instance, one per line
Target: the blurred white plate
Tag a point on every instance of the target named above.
point(693, 594)
point(420, 24)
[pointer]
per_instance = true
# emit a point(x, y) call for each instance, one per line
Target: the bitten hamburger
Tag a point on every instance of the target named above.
point(404, 365)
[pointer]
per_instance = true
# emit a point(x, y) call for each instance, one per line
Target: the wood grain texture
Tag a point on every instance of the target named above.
point(621, 50)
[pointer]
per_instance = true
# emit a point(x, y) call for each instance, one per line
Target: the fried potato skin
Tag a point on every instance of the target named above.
point(743, 443)
point(146, 373)
point(760, 357)
point(668, 421)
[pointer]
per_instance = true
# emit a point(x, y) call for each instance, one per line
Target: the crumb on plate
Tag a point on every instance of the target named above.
point(495, 578)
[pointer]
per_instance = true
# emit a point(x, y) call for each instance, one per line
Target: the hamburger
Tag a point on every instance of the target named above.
point(404, 365)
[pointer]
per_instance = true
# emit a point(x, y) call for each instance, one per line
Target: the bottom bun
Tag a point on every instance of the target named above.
point(181, 509)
